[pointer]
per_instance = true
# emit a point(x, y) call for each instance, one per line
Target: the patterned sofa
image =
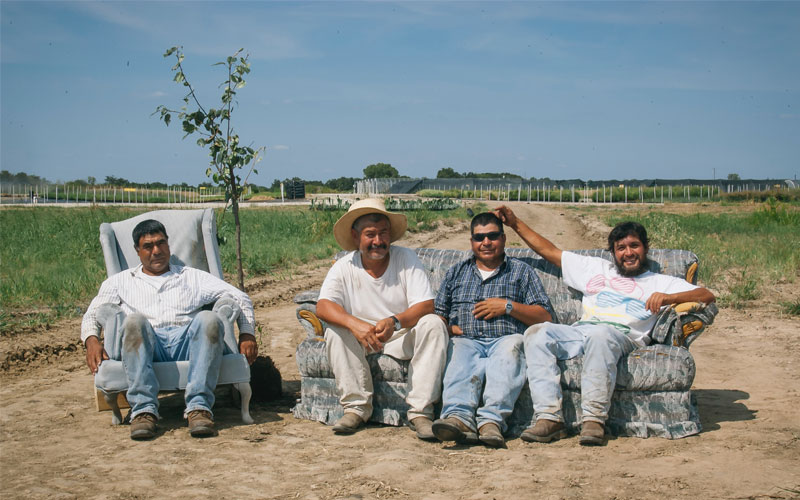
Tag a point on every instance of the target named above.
point(652, 397)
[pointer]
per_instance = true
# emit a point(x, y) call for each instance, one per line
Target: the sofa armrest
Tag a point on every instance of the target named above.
point(681, 324)
point(307, 316)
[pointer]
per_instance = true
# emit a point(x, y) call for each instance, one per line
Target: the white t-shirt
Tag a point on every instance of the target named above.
point(403, 284)
point(611, 298)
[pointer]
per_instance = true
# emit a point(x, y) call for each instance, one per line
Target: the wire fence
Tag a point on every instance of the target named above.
point(560, 191)
point(11, 193)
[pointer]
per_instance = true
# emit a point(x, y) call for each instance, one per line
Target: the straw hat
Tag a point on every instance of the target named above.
point(341, 230)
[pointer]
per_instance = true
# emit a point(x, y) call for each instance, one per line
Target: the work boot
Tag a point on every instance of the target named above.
point(201, 423)
point(423, 428)
point(143, 426)
point(544, 431)
point(453, 429)
point(490, 435)
point(592, 433)
point(348, 424)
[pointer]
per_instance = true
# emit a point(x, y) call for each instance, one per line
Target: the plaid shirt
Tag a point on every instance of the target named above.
point(463, 287)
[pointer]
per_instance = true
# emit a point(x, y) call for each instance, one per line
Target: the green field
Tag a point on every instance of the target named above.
point(52, 262)
point(743, 252)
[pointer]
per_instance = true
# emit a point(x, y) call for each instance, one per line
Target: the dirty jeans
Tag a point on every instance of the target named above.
point(500, 362)
point(201, 342)
point(601, 346)
point(425, 345)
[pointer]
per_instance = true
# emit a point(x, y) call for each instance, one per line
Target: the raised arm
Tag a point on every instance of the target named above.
point(536, 241)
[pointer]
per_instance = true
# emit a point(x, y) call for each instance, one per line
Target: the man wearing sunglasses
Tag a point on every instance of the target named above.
point(487, 301)
point(620, 304)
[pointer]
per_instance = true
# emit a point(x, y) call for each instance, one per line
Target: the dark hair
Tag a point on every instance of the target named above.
point(365, 219)
point(484, 219)
point(149, 226)
point(625, 229)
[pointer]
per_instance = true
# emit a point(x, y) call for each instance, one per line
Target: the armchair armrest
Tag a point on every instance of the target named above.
point(680, 324)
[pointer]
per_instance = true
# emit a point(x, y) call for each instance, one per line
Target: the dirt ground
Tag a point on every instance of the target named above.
point(54, 444)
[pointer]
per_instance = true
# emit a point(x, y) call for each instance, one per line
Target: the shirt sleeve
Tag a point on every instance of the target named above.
point(671, 284)
point(418, 286)
point(534, 293)
point(333, 286)
point(108, 294)
point(576, 269)
point(443, 302)
point(212, 288)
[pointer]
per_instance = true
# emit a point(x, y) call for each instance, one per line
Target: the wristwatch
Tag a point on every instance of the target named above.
point(397, 325)
point(509, 307)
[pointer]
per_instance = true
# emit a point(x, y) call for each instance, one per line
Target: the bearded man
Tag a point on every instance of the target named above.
point(621, 301)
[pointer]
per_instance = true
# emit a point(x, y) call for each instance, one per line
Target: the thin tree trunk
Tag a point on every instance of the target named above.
point(235, 207)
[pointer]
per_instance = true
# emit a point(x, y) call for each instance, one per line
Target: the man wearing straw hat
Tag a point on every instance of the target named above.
point(378, 298)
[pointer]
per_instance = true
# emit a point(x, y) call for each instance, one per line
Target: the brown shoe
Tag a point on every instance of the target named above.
point(544, 431)
point(453, 429)
point(143, 426)
point(201, 423)
point(348, 424)
point(592, 433)
point(490, 435)
point(423, 427)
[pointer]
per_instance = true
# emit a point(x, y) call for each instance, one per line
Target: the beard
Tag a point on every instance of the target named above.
point(631, 273)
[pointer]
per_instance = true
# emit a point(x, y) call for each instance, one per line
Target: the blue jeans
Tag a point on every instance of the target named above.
point(201, 342)
point(601, 346)
point(495, 366)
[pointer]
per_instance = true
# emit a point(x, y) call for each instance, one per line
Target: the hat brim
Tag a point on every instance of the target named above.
point(341, 230)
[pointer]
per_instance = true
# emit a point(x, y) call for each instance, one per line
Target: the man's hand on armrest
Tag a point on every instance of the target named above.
point(95, 354)
point(248, 346)
point(658, 299)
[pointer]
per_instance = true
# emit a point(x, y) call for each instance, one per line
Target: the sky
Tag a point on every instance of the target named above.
point(565, 90)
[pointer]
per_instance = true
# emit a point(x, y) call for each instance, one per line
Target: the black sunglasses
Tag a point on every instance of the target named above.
point(493, 236)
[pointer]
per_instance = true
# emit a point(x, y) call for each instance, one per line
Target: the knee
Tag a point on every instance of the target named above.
point(211, 328)
point(135, 329)
point(431, 325)
point(536, 335)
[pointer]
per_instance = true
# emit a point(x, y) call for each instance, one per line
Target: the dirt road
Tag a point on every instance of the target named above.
point(54, 445)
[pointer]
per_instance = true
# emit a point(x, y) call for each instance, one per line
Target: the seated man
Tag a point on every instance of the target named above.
point(487, 300)
point(375, 298)
point(164, 322)
point(620, 304)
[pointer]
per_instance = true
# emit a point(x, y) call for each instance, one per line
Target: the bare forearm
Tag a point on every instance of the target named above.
point(412, 315)
point(534, 240)
point(333, 313)
point(530, 314)
point(696, 295)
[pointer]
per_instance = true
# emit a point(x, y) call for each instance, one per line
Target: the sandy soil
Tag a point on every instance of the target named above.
point(54, 444)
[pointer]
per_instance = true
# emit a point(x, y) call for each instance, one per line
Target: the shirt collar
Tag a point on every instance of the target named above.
point(138, 271)
point(500, 268)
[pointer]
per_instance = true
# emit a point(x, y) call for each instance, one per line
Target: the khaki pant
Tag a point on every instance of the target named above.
point(425, 345)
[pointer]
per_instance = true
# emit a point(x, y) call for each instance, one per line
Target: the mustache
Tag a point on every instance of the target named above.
point(382, 246)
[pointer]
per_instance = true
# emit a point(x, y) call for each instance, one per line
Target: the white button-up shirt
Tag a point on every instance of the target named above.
point(175, 302)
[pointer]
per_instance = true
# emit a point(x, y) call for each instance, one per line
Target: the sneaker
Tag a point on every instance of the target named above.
point(490, 435)
point(544, 431)
point(423, 428)
point(201, 423)
point(453, 429)
point(143, 426)
point(348, 424)
point(592, 433)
